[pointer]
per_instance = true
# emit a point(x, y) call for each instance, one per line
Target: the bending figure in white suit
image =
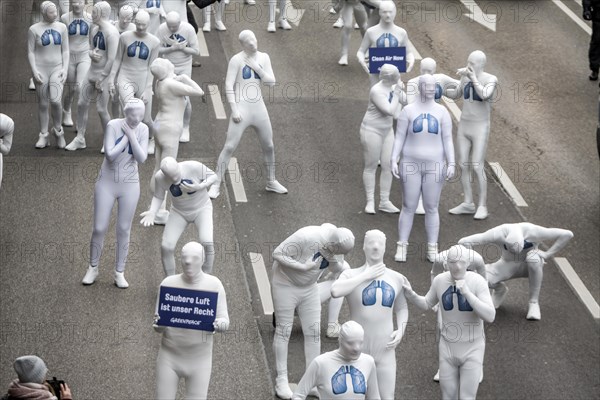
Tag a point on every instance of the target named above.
point(179, 45)
point(187, 353)
point(424, 140)
point(345, 373)
point(465, 303)
point(247, 71)
point(298, 262)
point(375, 296)
point(478, 90)
point(520, 258)
point(187, 182)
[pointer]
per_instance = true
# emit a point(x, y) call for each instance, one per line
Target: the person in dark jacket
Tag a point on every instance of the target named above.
point(591, 12)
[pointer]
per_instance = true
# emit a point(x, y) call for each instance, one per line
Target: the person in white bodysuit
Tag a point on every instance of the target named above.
point(478, 89)
point(424, 140)
point(282, 22)
point(187, 182)
point(179, 44)
point(187, 353)
point(377, 137)
point(171, 92)
point(104, 40)
point(179, 6)
point(346, 373)
point(7, 127)
point(48, 55)
point(137, 50)
point(375, 296)
point(79, 24)
point(462, 339)
point(219, 10)
point(443, 83)
point(520, 258)
point(247, 71)
point(126, 145)
point(475, 264)
point(298, 262)
point(348, 8)
point(385, 34)
point(123, 23)
point(157, 13)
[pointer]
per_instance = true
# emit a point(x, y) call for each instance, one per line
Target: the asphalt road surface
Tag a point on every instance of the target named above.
point(99, 338)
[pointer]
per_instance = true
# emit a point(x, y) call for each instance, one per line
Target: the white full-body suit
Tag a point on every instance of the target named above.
point(478, 90)
point(247, 72)
point(298, 262)
point(348, 8)
point(48, 55)
point(334, 307)
point(179, 44)
point(187, 353)
point(123, 23)
point(79, 24)
point(345, 373)
point(126, 145)
point(424, 141)
point(219, 10)
point(137, 50)
point(377, 137)
point(171, 91)
point(385, 34)
point(375, 296)
point(464, 304)
point(187, 182)
point(7, 127)
point(176, 5)
point(520, 258)
point(282, 21)
point(104, 40)
point(442, 84)
point(475, 263)
point(156, 10)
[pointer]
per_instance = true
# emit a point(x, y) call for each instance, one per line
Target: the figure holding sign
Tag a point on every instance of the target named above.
point(187, 353)
point(385, 35)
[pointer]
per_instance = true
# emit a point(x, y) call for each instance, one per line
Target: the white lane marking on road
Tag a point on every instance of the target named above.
point(215, 96)
point(262, 281)
point(235, 177)
point(201, 40)
point(476, 14)
point(579, 2)
point(508, 185)
point(573, 16)
point(578, 286)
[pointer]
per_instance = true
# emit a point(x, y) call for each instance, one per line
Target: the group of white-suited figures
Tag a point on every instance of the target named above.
point(121, 61)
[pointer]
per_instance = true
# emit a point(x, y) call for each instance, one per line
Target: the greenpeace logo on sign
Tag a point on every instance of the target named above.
point(188, 309)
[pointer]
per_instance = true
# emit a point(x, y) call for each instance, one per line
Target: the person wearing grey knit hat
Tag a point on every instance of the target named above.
point(31, 383)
